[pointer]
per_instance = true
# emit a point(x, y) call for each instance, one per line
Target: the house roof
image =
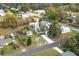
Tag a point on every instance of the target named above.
point(44, 23)
point(40, 11)
point(4, 41)
point(68, 53)
point(1, 11)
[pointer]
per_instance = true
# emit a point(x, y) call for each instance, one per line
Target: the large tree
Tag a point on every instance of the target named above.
point(29, 41)
point(54, 30)
point(24, 7)
point(10, 20)
point(53, 14)
point(70, 44)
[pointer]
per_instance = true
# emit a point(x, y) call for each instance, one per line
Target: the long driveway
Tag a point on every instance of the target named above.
point(51, 41)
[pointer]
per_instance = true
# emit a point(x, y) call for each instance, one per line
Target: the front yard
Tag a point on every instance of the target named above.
point(9, 49)
point(36, 41)
point(13, 48)
point(72, 44)
point(48, 52)
point(65, 35)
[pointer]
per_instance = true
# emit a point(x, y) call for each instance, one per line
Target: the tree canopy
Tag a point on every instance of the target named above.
point(10, 20)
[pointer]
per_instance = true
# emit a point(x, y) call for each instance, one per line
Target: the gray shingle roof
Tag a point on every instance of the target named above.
point(4, 41)
point(44, 23)
point(68, 53)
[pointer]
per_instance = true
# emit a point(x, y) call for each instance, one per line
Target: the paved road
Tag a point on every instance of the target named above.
point(51, 41)
point(39, 49)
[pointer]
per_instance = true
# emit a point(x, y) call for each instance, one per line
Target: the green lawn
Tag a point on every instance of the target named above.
point(48, 52)
point(36, 41)
point(7, 31)
point(68, 34)
point(9, 50)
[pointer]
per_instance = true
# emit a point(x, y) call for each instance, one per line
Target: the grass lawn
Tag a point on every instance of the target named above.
point(48, 52)
point(36, 41)
point(68, 34)
point(7, 31)
point(9, 50)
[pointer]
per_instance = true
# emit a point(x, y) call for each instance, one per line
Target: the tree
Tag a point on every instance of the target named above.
point(22, 40)
point(71, 44)
point(9, 20)
point(29, 41)
point(54, 30)
point(24, 7)
point(77, 37)
point(2, 52)
point(52, 14)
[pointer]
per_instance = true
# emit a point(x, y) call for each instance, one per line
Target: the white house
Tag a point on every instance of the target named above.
point(40, 12)
point(2, 12)
point(46, 25)
point(16, 9)
point(12, 35)
point(1, 37)
point(29, 33)
point(65, 29)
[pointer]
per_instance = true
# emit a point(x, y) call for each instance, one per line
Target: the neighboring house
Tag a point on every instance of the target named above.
point(12, 35)
point(65, 29)
point(16, 9)
point(2, 12)
point(25, 15)
point(45, 25)
point(39, 12)
point(22, 22)
point(70, 20)
point(72, 14)
point(29, 33)
point(4, 42)
point(68, 53)
point(1, 37)
point(77, 19)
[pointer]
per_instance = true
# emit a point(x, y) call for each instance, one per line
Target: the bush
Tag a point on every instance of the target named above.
point(2, 52)
point(29, 41)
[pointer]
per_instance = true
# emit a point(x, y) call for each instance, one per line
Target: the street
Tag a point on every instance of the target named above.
point(39, 49)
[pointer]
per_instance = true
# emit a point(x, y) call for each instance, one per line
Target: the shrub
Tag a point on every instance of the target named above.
point(29, 41)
